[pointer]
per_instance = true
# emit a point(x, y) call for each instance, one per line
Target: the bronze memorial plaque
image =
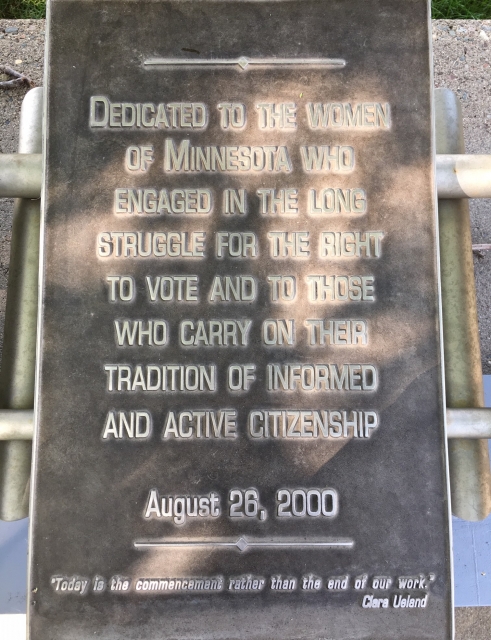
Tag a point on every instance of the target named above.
point(240, 411)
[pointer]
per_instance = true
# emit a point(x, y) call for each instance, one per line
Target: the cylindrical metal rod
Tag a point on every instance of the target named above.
point(470, 477)
point(468, 423)
point(16, 425)
point(19, 347)
point(463, 176)
point(20, 175)
point(457, 176)
point(461, 423)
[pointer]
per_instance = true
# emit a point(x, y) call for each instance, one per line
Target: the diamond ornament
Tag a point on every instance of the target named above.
point(242, 544)
point(243, 62)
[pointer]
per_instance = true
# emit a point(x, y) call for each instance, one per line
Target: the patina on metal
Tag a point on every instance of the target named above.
point(240, 425)
point(20, 175)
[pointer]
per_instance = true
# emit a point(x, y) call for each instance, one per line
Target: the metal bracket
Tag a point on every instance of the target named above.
point(470, 475)
point(458, 176)
point(19, 345)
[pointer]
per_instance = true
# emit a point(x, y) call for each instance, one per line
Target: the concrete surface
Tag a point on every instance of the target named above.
point(462, 60)
point(473, 623)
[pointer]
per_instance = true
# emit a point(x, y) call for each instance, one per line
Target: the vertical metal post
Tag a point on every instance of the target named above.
point(470, 476)
point(19, 350)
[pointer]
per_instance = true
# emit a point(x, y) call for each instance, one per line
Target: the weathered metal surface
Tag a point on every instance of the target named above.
point(470, 476)
point(266, 459)
point(469, 423)
point(20, 175)
point(463, 176)
point(16, 425)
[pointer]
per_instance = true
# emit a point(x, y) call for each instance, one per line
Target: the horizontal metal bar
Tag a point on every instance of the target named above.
point(457, 176)
point(463, 176)
point(16, 425)
point(469, 423)
point(20, 175)
point(461, 423)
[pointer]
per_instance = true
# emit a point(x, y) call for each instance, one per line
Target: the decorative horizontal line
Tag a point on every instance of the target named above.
point(242, 544)
point(244, 63)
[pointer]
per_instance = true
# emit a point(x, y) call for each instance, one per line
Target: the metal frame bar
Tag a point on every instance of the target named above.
point(463, 176)
point(19, 346)
point(461, 423)
point(20, 175)
point(16, 424)
point(468, 423)
point(457, 175)
point(470, 474)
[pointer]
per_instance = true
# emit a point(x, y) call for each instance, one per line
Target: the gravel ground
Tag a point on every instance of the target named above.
point(462, 58)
